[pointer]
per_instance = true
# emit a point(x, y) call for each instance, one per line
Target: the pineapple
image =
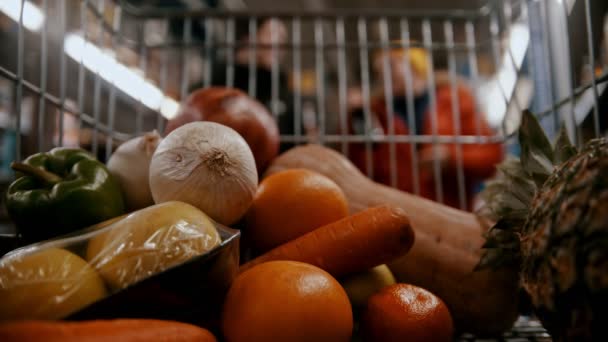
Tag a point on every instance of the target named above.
point(551, 213)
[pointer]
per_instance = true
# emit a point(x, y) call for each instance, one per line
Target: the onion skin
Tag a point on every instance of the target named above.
point(130, 165)
point(235, 109)
point(207, 165)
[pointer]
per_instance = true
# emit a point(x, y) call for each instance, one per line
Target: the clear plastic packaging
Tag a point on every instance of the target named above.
point(168, 261)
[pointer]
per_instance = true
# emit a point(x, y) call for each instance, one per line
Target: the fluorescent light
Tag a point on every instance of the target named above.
point(129, 80)
point(169, 107)
point(32, 15)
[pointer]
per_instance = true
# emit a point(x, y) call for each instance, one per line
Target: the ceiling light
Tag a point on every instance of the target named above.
point(129, 80)
point(32, 15)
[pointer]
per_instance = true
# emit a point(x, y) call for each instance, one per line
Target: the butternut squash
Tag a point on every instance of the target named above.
point(447, 244)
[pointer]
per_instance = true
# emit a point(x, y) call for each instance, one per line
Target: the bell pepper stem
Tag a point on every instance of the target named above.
point(45, 176)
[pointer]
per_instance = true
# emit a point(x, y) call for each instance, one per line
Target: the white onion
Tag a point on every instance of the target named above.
point(130, 165)
point(207, 165)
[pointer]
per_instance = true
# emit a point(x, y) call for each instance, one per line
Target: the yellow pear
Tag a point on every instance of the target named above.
point(359, 287)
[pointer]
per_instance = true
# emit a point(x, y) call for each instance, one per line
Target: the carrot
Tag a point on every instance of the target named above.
point(445, 253)
point(119, 330)
point(372, 237)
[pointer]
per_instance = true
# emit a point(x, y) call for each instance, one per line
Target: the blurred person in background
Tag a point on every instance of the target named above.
point(270, 32)
point(478, 160)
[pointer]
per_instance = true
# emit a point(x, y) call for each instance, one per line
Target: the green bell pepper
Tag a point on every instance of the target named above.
point(60, 191)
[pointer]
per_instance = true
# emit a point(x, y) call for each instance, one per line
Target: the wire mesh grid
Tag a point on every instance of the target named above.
point(99, 72)
point(153, 57)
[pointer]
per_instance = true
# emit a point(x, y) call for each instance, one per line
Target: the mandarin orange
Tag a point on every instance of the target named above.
point(403, 312)
point(286, 301)
point(291, 203)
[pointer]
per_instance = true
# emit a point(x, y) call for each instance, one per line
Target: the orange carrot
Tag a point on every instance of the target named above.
point(372, 237)
point(119, 330)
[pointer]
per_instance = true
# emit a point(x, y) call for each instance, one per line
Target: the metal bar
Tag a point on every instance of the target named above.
point(456, 116)
point(494, 32)
point(19, 85)
point(111, 119)
point(112, 95)
point(97, 90)
point(418, 139)
point(566, 39)
point(550, 66)
point(62, 68)
point(307, 14)
point(472, 59)
point(320, 76)
point(274, 70)
point(208, 77)
point(81, 71)
point(186, 38)
point(508, 13)
point(297, 66)
point(143, 66)
point(437, 173)
point(411, 110)
point(252, 58)
point(458, 47)
point(365, 90)
point(577, 92)
point(596, 114)
point(164, 59)
point(388, 101)
point(230, 52)
point(43, 77)
point(342, 84)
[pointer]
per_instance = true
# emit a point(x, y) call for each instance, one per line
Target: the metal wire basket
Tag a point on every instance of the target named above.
point(95, 73)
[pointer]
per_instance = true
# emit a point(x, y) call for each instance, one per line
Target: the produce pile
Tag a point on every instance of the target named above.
point(206, 234)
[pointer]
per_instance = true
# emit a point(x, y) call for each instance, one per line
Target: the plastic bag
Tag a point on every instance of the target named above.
point(162, 256)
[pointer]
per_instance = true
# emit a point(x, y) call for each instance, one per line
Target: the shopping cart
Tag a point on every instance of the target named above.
point(95, 73)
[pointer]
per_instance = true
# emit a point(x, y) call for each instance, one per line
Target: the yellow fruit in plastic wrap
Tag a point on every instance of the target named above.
point(47, 284)
point(359, 287)
point(149, 241)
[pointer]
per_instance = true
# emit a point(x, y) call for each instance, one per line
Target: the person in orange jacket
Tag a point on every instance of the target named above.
point(477, 160)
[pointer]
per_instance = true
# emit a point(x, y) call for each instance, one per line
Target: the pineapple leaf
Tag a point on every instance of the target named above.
point(519, 183)
point(503, 197)
point(517, 215)
point(539, 178)
point(496, 258)
point(501, 239)
point(536, 151)
point(511, 224)
point(502, 245)
point(564, 149)
point(509, 193)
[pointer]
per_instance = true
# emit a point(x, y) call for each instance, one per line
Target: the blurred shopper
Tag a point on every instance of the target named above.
point(263, 52)
point(478, 160)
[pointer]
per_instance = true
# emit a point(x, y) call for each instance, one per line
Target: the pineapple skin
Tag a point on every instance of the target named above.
point(564, 246)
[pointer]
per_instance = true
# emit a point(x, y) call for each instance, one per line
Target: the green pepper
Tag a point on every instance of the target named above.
point(60, 191)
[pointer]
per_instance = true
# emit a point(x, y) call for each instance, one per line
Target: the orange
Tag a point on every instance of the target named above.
point(291, 203)
point(286, 301)
point(403, 312)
